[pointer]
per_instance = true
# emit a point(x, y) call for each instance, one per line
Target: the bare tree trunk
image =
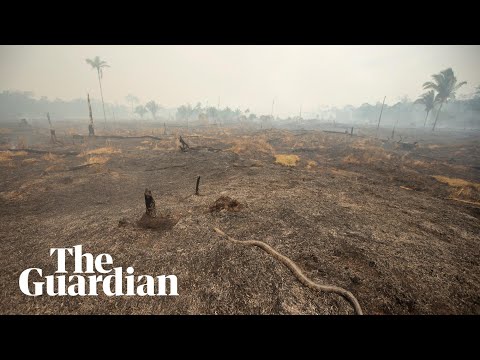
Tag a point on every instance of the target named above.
point(91, 130)
point(103, 104)
point(436, 118)
point(394, 127)
point(380, 118)
point(53, 137)
point(49, 122)
point(426, 117)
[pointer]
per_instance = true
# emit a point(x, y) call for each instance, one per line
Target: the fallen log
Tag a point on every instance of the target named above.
point(78, 167)
point(121, 137)
point(209, 148)
point(34, 151)
point(166, 167)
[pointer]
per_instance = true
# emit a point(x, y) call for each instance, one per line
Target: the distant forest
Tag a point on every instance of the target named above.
point(464, 113)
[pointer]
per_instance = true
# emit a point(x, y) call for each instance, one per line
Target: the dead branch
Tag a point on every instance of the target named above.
point(78, 167)
point(209, 148)
point(166, 167)
point(34, 151)
point(122, 137)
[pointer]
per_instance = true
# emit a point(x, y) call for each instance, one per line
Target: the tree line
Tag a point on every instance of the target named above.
point(439, 99)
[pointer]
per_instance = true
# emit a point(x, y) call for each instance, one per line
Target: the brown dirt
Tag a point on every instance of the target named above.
point(347, 223)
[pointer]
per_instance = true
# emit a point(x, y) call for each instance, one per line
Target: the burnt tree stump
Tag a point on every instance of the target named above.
point(150, 204)
point(198, 184)
point(183, 145)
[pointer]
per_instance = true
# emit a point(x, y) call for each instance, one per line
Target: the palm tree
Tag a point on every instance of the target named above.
point(427, 99)
point(153, 107)
point(445, 84)
point(98, 64)
point(132, 100)
point(140, 110)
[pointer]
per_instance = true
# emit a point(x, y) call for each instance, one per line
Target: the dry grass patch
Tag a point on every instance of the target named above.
point(97, 160)
point(351, 159)
point(8, 155)
point(311, 164)
point(454, 182)
point(108, 150)
point(52, 158)
point(369, 156)
point(421, 164)
point(365, 144)
point(287, 160)
point(463, 190)
point(29, 161)
point(248, 145)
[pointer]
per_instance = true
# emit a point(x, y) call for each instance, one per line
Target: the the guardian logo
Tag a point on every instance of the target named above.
point(32, 282)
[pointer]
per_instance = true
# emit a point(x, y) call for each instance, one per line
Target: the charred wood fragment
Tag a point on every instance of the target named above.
point(150, 204)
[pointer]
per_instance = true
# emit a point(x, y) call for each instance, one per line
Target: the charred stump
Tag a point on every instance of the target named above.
point(150, 204)
point(183, 145)
point(198, 184)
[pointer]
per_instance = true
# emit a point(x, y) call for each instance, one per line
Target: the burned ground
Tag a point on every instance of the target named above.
point(399, 229)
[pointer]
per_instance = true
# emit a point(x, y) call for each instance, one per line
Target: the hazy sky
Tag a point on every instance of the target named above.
point(242, 76)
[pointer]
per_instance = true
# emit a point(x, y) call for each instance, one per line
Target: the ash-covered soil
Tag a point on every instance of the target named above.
point(352, 212)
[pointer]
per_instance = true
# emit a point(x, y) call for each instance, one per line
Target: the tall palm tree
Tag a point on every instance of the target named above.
point(427, 99)
point(98, 64)
point(153, 107)
point(445, 84)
